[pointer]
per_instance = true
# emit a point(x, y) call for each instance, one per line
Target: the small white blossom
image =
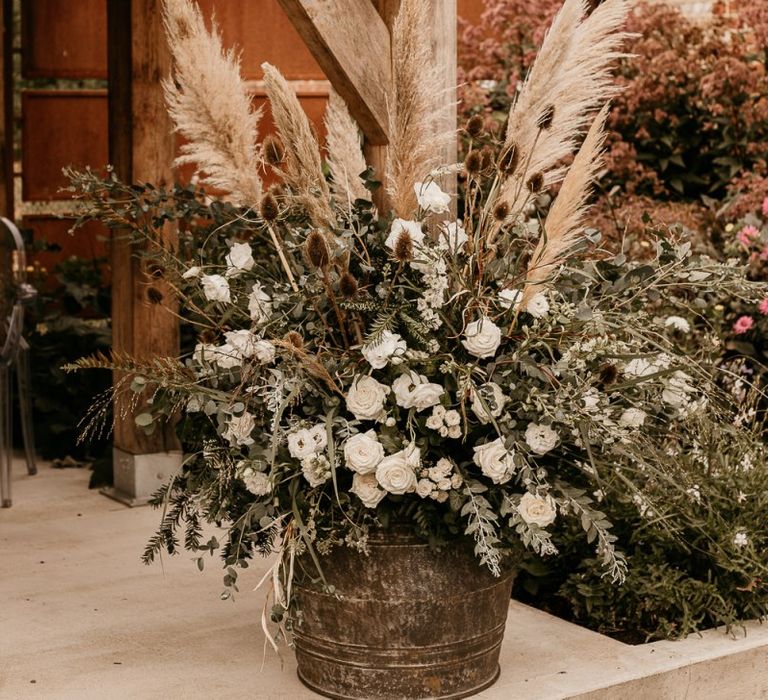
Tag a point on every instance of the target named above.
point(239, 259)
point(678, 323)
point(216, 288)
point(540, 438)
point(259, 304)
point(390, 348)
point(538, 306)
point(740, 539)
point(431, 197)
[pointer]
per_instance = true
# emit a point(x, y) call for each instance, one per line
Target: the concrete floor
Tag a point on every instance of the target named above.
point(81, 617)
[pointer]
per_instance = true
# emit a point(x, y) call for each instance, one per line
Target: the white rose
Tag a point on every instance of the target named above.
point(264, 352)
point(256, 482)
point(239, 259)
point(452, 237)
point(390, 348)
point(540, 438)
point(413, 228)
point(509, 298)
point(538, 306)
point(366, 488)
point(495, 461)
point(316, 469)
point(431, 197)
point(632, 418)
point(395, 474)
point(424, 488)
point(366, 397)
point(239, 429)
point(301, 444)
point(215, 288)
point(537, 510)
point(259, 304)
point(483, 338)
point(412, 390)
point(319, 434)
point(193, 271)
point(442, 468)
point(363, 452)
point(488, 401)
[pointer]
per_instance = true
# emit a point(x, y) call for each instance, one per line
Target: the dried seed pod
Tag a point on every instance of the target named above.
point(269, 208)
point(317, 249)
point(608, 374)
point(509, 159)
point(473, 163)
point(535, 183)
point(348, 285)
point(547, 117)
point(274, 151)
point(404, 247)
point(475, 125)
point(501, 211)
point(293, 338)
point(486, 158)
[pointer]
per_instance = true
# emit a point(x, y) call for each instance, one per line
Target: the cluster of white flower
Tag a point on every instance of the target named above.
point(435, 482)
point(256, 482)
point(447, 423)
point(239, 429)
point(307, 445)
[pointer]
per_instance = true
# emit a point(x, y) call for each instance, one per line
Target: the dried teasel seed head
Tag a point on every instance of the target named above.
point(269, 208)
point(608, 373)
point(509, 159)
point(547, 117)
point(348, 285)
point(317, 249)
point(274, 152)
point(486, 158)
point(501, 211)
point(535, 183)
point(473, 163)
point(475, 125)
point(404, 247)
point(208, 337)
point(293, 338)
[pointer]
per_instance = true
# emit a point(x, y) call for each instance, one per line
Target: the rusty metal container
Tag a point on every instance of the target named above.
point(405, 622)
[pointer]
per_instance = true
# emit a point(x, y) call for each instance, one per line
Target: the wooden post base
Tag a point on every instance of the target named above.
point(137, 477)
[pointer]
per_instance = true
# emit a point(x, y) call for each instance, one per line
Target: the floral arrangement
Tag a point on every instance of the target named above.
point(442, 361)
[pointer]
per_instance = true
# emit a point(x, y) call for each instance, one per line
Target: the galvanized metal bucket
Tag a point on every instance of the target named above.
point(405, 622)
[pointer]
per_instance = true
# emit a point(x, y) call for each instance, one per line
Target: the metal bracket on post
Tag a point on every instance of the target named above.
point(137, 477)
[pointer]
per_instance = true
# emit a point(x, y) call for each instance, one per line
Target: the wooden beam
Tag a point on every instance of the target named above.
point(6, 109)
point(142, 150)
point(351, 42)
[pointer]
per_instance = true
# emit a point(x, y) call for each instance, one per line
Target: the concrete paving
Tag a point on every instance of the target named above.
point(81, 617)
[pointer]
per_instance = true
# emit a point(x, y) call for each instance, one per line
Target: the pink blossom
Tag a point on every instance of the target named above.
point(747, 235)
point(764, 253)
point(743, 324)
point(763, 307)
point(765, 207)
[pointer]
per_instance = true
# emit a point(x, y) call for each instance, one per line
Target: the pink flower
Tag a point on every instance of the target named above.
point(764, 253)
point(747, 235)
point(743, 324)
point(763, 307)
point(765, 207)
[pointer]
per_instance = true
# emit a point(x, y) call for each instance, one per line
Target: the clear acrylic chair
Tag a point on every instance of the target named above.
point(15, 295)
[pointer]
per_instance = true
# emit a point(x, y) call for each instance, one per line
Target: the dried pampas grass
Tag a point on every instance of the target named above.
point(303, 168)
point(562, 227)
point(345, 155)
point(569, 81)
point(210, 105)
point(416, 131)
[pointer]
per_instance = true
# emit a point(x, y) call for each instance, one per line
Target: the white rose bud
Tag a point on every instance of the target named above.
point(495, 461)
point(215, 288)
point(537, 510)
point(390, 348)
point(366, 397)
point(431, 197)
point(540, 438)
point(424, 488)
point(483, 338)
point(395, 474)
point(363, 452)
point(239, 259)
point(366, 488)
